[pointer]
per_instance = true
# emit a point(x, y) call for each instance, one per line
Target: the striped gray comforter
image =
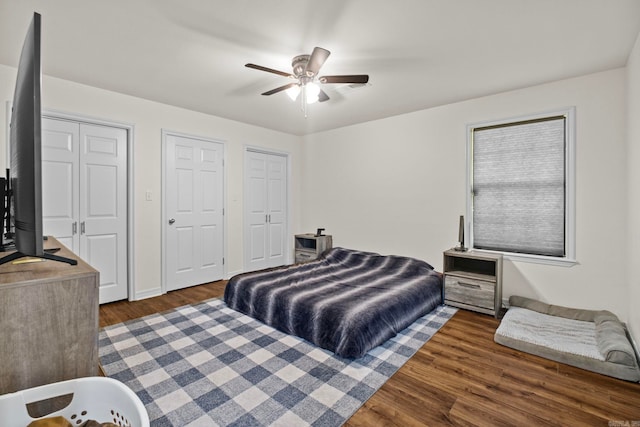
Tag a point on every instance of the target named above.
point(347, 301)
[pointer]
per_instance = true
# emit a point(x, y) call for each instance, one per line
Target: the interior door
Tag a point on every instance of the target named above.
point(277, 214)
point(60, 181)
point(84, 182)
point(256, 211)
point(194, 209)
point(103, 207)
point(265, 210)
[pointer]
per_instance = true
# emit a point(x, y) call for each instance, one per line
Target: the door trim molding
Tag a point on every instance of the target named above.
point(163, 217)
point(130, 129)
point(288, 259)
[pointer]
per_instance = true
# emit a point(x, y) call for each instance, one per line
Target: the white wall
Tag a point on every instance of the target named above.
point(149, 118)
point(633, 254)
point(397, 185)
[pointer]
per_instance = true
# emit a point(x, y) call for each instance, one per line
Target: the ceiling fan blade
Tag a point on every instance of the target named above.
point(318, 56)
point(280, 89)
point(269, 70)
point(356, 78)
point(322, 96)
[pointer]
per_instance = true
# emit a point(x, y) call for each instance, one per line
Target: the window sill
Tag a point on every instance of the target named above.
point(536, 259)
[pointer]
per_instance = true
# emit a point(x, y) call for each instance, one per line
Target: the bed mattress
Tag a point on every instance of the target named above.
point(347, 301)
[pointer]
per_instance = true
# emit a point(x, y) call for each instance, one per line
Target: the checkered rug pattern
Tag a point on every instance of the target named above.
point(208, 365)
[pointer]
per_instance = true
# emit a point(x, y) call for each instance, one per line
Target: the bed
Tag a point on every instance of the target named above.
point(346, 301)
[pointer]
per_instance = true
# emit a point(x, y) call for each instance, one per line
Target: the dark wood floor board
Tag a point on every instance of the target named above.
point(427, 409)
point(452, 374)
point(570, 394)
point(460, 377)
point(381, 414)
point(516, 403)
point(623, 394)
point(122, 311)
point(473, 410)
point(421, 358)
point(476, 353)
point(473, 325)
point(542, 401)
point(453, 380)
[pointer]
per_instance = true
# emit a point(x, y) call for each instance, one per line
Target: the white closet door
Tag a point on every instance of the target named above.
point(277, 214)
point(256, 208)
point(103, 207)
point(193, 204)
point(60, 181)
point(265, 210)
point(84, 203)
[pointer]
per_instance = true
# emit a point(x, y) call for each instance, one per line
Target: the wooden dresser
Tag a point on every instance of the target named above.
point(48, 321)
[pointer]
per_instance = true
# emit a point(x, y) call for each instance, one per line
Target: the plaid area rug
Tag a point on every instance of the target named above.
point(208, 365)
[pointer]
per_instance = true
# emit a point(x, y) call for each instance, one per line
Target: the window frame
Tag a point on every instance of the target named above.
point(570, 181)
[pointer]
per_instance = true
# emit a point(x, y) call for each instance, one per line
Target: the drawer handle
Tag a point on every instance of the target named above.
point(469, 285)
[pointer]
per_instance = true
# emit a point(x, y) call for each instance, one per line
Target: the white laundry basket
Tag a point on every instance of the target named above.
point(94, 398)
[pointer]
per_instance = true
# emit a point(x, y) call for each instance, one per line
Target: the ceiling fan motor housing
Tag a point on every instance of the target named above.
point(299, 64)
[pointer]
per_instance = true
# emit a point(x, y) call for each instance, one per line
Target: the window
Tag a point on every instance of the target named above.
point(521, 187)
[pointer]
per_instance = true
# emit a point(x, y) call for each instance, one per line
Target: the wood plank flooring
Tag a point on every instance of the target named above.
point(461, 377)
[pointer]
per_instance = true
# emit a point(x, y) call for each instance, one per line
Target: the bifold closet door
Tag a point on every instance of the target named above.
point(84, 177)
point(265, 210)
point(61, 182)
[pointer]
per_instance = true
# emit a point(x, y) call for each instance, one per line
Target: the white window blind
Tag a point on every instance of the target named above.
point(519, 187)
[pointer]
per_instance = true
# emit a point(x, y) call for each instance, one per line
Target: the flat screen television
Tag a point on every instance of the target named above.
point(24, 202)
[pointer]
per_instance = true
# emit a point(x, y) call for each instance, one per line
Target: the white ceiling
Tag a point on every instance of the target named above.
point(418, 53)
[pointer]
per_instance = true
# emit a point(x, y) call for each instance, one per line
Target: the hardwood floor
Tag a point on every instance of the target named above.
point(461, 377)
point(121, 311)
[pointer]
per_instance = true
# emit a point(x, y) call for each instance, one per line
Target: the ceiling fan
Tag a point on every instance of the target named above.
point(305, 74)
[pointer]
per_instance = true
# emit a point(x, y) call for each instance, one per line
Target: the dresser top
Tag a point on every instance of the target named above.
point(25, 271)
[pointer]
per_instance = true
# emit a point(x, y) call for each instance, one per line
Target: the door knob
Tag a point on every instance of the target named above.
point(171, 221)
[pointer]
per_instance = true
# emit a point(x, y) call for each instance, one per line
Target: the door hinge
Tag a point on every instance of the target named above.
point(222, 261)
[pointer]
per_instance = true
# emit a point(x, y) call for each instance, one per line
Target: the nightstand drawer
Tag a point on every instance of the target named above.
point(305, 256)
point(479, 293)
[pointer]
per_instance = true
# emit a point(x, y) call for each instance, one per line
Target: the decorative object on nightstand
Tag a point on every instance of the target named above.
point(473, 281)
point(310, 246)
point(461, 247)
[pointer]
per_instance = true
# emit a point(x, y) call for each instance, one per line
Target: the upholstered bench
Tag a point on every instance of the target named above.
point(588, 339)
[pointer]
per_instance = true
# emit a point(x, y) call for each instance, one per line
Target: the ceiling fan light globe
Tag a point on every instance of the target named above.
point(312, 91)
point(293, 92)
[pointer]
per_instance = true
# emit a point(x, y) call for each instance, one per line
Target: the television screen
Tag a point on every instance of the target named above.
point(26, 153)
point(26, 159)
